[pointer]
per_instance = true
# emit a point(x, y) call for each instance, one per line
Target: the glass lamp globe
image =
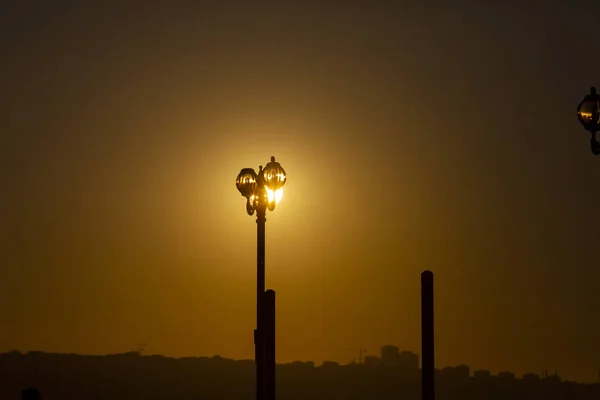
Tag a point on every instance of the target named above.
point(588, 111)
point(246, 182)
point(274, 175)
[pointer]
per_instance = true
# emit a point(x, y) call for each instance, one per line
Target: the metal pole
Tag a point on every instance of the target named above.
point(269, 312)
point(259, 337)
point(427, 349)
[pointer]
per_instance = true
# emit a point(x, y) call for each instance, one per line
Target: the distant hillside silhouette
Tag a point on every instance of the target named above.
point(132, 375)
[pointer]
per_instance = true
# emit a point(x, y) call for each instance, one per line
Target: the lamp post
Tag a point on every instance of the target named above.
point(427, 338)
point(262, 191)
point(588, 113)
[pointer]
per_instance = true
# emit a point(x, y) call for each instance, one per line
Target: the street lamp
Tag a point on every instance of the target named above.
point(262, 190)
point(588, 113)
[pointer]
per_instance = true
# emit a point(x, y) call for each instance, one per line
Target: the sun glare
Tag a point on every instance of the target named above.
point(277, 195)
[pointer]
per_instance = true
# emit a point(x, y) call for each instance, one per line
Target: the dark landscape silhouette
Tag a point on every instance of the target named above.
point(136, 376)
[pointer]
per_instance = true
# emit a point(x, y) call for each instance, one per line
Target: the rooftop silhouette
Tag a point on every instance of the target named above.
point(383, 376)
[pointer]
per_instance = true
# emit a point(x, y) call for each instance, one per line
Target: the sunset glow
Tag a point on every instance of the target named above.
point(276, 195)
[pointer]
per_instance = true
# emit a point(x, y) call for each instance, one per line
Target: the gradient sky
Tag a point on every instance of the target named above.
point(440, 136)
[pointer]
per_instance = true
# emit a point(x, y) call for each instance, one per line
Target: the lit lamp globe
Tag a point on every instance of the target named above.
point(274, 178)
point(246, 182)
point(274, 175)
point(588, 111)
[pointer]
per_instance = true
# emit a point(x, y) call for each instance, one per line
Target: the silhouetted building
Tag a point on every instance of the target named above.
point(390, 355)
point(460, 372)
point(554, 378)
point(409, 360)
point(303, 364)
point(120, 377)
point(531, 377)
point(330, 364)
point(482, 374)
point(506, 375)
point(372, 360)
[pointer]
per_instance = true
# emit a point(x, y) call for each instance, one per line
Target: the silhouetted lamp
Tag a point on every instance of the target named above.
point(274, 178)
point(246, 183)
point(588, 113)
point(262, 190)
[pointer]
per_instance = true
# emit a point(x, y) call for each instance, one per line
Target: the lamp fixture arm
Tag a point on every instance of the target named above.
point(595, 145)
point(249, 207)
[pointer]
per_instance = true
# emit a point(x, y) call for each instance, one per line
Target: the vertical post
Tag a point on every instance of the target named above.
point(259, 337)
point(427, 344)
point(269, 312)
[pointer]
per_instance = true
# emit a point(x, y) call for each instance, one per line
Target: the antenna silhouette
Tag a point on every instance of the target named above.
point(359, 359)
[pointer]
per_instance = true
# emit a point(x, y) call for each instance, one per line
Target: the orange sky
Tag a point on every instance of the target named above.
point(413, 139)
